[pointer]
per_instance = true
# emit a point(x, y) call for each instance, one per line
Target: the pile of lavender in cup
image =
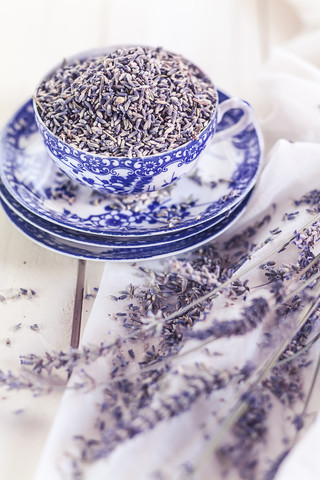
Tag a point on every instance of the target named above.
point(131, 102)
point(129, 120)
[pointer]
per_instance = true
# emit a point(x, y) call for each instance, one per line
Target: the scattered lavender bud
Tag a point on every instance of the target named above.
point(35, 327)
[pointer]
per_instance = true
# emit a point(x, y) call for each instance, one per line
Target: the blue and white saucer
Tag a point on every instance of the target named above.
point(106, 240)
point(225, 174)
point(103, 253)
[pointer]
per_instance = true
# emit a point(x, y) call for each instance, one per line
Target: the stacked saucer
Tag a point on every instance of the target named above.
point(64, 216)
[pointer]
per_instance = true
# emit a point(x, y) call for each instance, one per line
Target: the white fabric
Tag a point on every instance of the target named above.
point(308, 11)
point(291, 88)
point(303, 462)
point(290, 85)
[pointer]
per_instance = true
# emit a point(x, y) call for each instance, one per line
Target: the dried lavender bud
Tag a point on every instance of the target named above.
point(251, 316)
point(35, 327)
point(131, 102)
point(312, 199)
point(15, 293)
point(298, 422)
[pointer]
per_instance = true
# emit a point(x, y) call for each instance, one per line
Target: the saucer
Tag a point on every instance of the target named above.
point(106, 240)
point(225, 173)
point(103, 253)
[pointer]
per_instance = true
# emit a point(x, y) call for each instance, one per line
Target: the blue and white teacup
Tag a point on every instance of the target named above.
point(124, 175)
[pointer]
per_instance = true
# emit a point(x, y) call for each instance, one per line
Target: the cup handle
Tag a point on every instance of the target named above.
point(237, 127)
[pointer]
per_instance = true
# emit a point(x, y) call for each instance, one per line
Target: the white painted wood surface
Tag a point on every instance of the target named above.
point(228, 39)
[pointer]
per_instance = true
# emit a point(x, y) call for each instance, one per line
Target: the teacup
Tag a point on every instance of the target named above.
point(125, 175)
